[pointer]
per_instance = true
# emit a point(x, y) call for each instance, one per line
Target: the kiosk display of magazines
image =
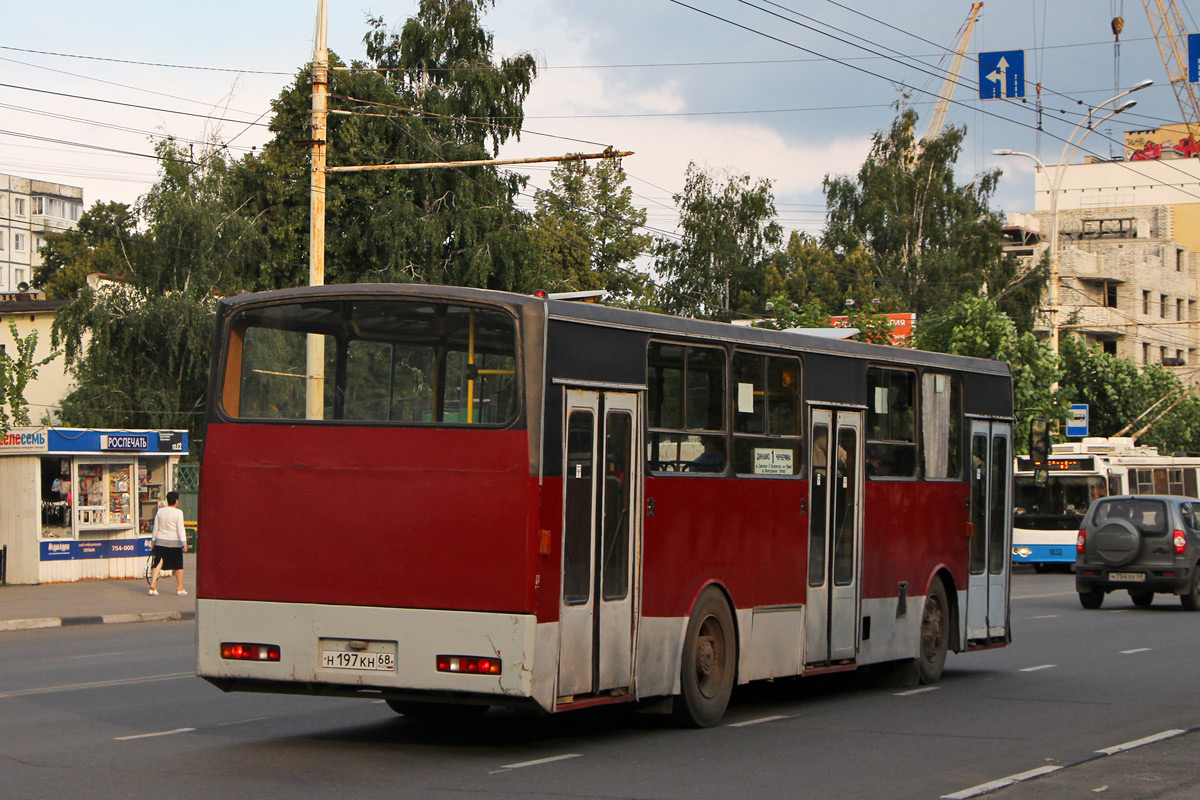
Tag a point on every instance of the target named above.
point(82, 501)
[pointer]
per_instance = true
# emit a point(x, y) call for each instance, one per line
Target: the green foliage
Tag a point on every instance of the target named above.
point(586, 231)
point(101, 243)
point(729, 234)
point(1117, 393)
point(437, 96)
point(139, 344)
point(15, 375)
point(929, 241)
point(975, 327)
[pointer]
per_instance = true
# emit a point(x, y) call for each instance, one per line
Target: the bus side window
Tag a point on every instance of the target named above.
point(891, 423)
point(687, 431)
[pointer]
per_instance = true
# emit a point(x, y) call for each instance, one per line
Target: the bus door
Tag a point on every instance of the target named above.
point(991, 503)
point(834, 537)
point(602, 488)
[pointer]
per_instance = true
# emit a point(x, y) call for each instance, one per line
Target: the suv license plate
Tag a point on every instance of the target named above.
point(1127, 577)
point(363, 656)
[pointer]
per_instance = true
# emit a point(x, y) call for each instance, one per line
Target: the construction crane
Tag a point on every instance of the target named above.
point(1166, 23)
point(938, 118)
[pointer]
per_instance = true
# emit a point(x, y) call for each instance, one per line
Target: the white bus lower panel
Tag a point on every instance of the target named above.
point(385, 652)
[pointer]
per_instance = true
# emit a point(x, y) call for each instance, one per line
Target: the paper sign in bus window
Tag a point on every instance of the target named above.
point(773, 461)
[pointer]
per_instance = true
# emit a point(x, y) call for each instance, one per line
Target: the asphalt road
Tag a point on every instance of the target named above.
point(113, 711)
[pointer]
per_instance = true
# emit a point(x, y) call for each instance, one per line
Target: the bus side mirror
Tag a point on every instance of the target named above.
point(1039, 441)
point(1041, 477)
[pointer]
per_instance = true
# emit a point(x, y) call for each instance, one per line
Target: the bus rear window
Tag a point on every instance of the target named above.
point(372, 361)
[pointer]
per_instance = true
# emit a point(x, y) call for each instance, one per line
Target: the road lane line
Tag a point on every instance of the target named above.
point(991, 786)
point(541, 761)
point(151, 735)
point(922, 690)
point(1041, 596)
point(72, 687)
point(1046, 616)
point(755, 721)
point(241, 721)
point(1158, 737)
point(1137, 650)
point(98, 655)
point(1036, 669)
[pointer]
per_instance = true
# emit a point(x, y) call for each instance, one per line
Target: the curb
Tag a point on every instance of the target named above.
point(102, 619)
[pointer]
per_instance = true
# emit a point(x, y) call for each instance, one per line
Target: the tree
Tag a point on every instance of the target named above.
point(975, 326)
point(930, 241)
point(428, 93)
point(102, 242)
point(728, 236)
point(139, 344)
point(586, 230)
point(1117, 392)
point(15, 375)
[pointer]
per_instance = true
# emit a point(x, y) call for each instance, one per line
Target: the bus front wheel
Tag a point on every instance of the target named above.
point(708, 664)
point(935, 634)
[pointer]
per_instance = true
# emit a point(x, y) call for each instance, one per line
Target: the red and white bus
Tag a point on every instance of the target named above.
point(475, 498)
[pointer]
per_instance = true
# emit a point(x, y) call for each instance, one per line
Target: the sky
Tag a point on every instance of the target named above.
point(785, 90)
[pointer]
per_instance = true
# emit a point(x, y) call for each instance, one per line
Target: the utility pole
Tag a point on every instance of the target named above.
point(315, 384)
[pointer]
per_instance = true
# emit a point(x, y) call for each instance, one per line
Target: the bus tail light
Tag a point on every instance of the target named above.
point(240, 651)
point(478, 665)
point(1180, 542)
point(1080, 541)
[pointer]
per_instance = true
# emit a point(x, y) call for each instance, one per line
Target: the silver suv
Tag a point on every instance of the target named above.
point(1144, 544)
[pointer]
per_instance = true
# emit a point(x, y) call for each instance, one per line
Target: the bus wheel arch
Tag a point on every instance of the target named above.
point(708, 660)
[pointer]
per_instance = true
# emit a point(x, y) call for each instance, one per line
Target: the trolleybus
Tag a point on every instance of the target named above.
point(1047, 514)
point(451, 499)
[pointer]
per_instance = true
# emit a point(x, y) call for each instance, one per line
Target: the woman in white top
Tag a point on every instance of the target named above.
point(170, 543)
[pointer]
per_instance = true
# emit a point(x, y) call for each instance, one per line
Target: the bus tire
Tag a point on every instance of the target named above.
point(935, 634)
point(708, 664)
point(434, 710)
point(1092, 598)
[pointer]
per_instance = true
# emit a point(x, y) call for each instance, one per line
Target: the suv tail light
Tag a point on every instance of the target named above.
point(1180, 542)
point(1080, 540)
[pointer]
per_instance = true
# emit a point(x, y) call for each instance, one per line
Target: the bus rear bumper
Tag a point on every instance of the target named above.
point(320, 646)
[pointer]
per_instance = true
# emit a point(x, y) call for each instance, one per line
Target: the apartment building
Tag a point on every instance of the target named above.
point(29, 209)
point(1129, 256)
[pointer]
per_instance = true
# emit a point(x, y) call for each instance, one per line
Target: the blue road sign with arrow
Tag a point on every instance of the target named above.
point(1001, 74)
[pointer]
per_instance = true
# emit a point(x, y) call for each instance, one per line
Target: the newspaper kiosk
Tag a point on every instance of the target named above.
point(78, 504)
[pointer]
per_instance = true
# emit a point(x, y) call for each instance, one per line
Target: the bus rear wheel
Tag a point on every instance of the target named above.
point(935, 634)
point(708, 663)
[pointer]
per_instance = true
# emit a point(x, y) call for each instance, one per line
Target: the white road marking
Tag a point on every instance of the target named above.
point(1046, 616)
point(755, 721)
point(71, 687)
point(1041, 596)
point(94, 655)
point(1138, 650)
point(991, 786)
point(922, 690)
point(540, 761)
point(150, 735)
point(1036, 669)
point(241, 721)
point(1158, 737)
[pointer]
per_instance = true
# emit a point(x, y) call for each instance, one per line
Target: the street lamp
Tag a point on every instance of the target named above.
point(1068, 152)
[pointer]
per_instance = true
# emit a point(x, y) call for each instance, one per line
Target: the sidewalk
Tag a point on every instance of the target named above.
point(53, 605)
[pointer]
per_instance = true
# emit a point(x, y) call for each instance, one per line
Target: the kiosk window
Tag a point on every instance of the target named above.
point(891, 425)
point(686, 408)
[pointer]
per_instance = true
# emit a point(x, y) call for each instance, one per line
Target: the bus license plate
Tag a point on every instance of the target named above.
point(1127, 577)
point(365, 656)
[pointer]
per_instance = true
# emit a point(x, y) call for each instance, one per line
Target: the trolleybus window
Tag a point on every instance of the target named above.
point(379, 361)
point(686, 403)
point(941, 424)
point(891, 434)
point(766, 415)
